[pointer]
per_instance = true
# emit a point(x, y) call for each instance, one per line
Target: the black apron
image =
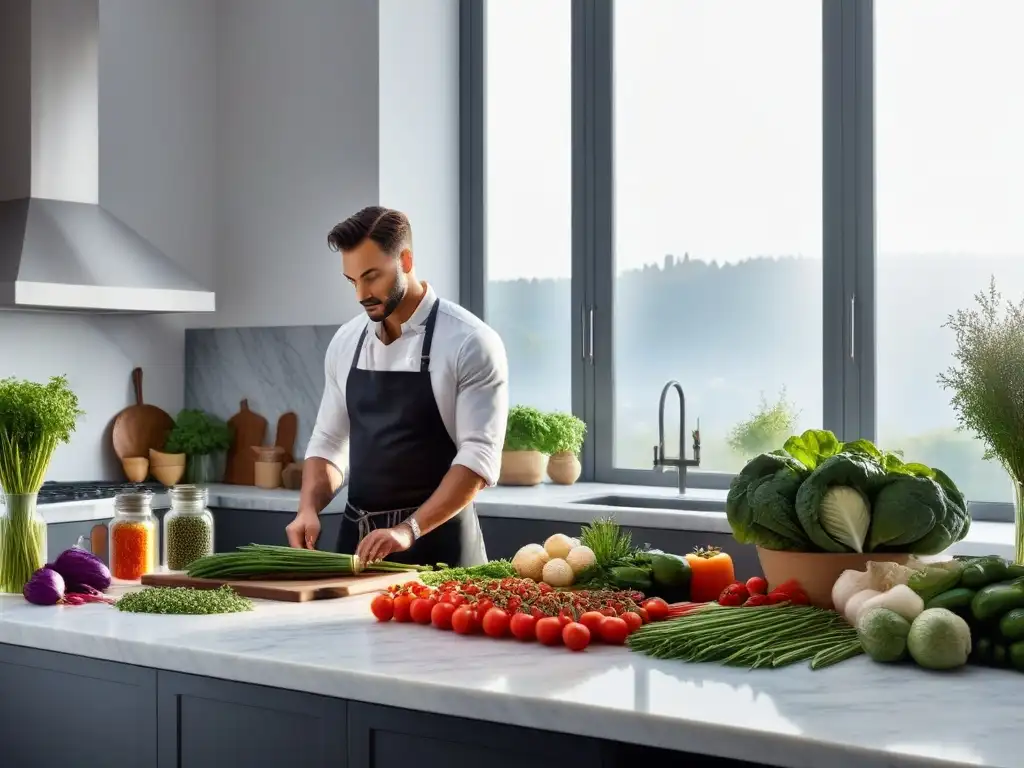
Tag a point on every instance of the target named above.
point(399, 450)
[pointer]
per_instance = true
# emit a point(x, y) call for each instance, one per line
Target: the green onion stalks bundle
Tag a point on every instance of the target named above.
point(253, 561)
point(34, 419)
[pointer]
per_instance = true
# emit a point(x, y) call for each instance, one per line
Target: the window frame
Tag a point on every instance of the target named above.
point(848, 226)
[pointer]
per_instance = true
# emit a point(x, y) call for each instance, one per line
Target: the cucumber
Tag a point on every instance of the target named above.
point(670, 570)
point(983, 572)
point(1011, 625)
point(628, 577)
point(952, 599)
point(993, 601)
point(1015, 655)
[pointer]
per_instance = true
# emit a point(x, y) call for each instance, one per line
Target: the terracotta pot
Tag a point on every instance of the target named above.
point(817, 571)
point(564, 468)
point(267, 474)
point(522, 468)
point(168, 474)
point(161, 459)
point(136, 468)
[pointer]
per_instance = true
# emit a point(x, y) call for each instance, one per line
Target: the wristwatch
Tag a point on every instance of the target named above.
point(414, 527)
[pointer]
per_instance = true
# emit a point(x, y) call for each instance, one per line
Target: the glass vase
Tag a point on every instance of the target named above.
point(1018, 522)
point(22, 541)
point(205, 469)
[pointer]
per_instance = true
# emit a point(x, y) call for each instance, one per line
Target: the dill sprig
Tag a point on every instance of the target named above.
point(608, 541)
point(987, 379)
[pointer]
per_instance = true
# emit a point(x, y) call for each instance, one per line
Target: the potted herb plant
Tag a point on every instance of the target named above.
point(204, 439)
point(526, 437)
point(34, 419)
point(986, 381)
point(565, 440)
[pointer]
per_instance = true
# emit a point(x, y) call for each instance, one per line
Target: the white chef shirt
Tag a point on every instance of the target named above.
point(468, 373)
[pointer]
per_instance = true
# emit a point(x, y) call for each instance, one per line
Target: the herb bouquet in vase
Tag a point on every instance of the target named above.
point(987, 382)
point(34, 419)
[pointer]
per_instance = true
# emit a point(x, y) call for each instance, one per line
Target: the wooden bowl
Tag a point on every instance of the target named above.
point(136, 468)
point(817, 571)
point(161, 459)
point(168, 475)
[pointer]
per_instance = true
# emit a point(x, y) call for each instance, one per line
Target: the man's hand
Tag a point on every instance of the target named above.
point(383, 542)
point(304, 530)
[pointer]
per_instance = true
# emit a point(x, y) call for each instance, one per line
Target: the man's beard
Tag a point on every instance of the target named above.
point(395, 296)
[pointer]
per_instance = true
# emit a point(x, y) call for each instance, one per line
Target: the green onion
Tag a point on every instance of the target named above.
point(267, 560)
point(34, 419)
point(762, 636)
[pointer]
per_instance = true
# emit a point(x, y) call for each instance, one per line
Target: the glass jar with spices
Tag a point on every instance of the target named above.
point(188, 527)
point(132, 547)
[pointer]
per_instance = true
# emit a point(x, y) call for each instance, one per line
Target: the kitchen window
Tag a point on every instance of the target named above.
point(775, 202)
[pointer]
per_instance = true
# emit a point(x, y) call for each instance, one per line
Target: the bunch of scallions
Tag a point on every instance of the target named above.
point(987, 382)
point(34, 419)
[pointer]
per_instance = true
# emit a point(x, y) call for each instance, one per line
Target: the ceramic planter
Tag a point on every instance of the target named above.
point(817, 571)
point(564, 468)
point(522, 468)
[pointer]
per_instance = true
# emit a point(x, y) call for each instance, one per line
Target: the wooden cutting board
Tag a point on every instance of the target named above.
point(249, 429)
point(287, 590)
point(140, 427)
point(287, 431)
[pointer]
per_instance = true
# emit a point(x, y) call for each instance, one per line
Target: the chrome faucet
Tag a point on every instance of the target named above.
point(680, 463)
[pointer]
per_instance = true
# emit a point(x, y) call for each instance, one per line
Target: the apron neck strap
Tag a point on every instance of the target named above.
point(428, 339)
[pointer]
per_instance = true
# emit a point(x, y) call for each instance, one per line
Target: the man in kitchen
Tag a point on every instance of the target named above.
point(414, 406)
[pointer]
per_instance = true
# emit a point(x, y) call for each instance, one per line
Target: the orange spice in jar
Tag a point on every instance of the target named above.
point(132, 546)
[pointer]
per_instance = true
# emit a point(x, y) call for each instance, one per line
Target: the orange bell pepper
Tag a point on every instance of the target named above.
point(711, 571)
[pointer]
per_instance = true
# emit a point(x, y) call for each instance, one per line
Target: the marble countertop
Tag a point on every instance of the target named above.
point(856, 714)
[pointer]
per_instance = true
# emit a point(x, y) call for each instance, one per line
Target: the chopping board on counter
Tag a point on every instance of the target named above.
point(140, 427)
point(249, 429)
point(286, 590)
point(287, 431)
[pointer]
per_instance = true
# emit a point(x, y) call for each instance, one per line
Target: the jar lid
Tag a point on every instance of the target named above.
point(189, 494)
point(133, 501)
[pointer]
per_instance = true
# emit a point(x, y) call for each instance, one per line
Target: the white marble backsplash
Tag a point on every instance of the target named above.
point(276, 369)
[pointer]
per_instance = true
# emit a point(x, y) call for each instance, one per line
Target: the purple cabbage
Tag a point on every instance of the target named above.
point(46, 587)
point(82, 570)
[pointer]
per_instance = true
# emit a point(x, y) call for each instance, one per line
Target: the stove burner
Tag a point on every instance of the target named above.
point(55, 492)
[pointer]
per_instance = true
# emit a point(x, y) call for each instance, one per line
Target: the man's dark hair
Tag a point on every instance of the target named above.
point(388, 228)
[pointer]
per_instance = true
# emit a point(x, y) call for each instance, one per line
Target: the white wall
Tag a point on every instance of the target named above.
point(419, 130)
point(157, 134)
point(297, 148)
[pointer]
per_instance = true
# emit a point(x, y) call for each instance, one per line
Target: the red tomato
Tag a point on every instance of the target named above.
point(642, 613)
point(496, 623)
point(756, 585)
point(656, 608)
point(464, 620)
point(513, 604)
point(537, 613)
point(483, 605)
point(549, 630)
point(523, 627)
point(614, 630)
point(575, 636)
point(441, 615)
point(383, 607)
point(420, 610)
point(592, 621)
point(458, 600)
point(608, 611)
point(633, 621)
point(566, 616)
point(402, 603)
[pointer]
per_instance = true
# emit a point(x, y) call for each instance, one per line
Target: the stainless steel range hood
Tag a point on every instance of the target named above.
point(59, 249)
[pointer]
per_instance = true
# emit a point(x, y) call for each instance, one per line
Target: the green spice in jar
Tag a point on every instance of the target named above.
point(189, 537)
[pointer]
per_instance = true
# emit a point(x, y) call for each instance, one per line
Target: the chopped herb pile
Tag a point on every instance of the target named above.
point(496, 569)
point(184, 600)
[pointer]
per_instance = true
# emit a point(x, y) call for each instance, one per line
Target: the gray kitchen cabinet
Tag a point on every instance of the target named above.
point(384, 737)
point(64, 710)
point(235, 527)
point(204, 722)
point(503, 536)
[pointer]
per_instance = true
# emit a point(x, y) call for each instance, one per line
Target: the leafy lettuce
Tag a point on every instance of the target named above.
point(777, 499)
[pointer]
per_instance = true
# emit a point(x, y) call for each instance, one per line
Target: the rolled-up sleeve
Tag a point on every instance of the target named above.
point(481, 404)
point(331, 432)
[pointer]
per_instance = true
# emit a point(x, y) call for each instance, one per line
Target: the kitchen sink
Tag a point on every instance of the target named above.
point(655, 502)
